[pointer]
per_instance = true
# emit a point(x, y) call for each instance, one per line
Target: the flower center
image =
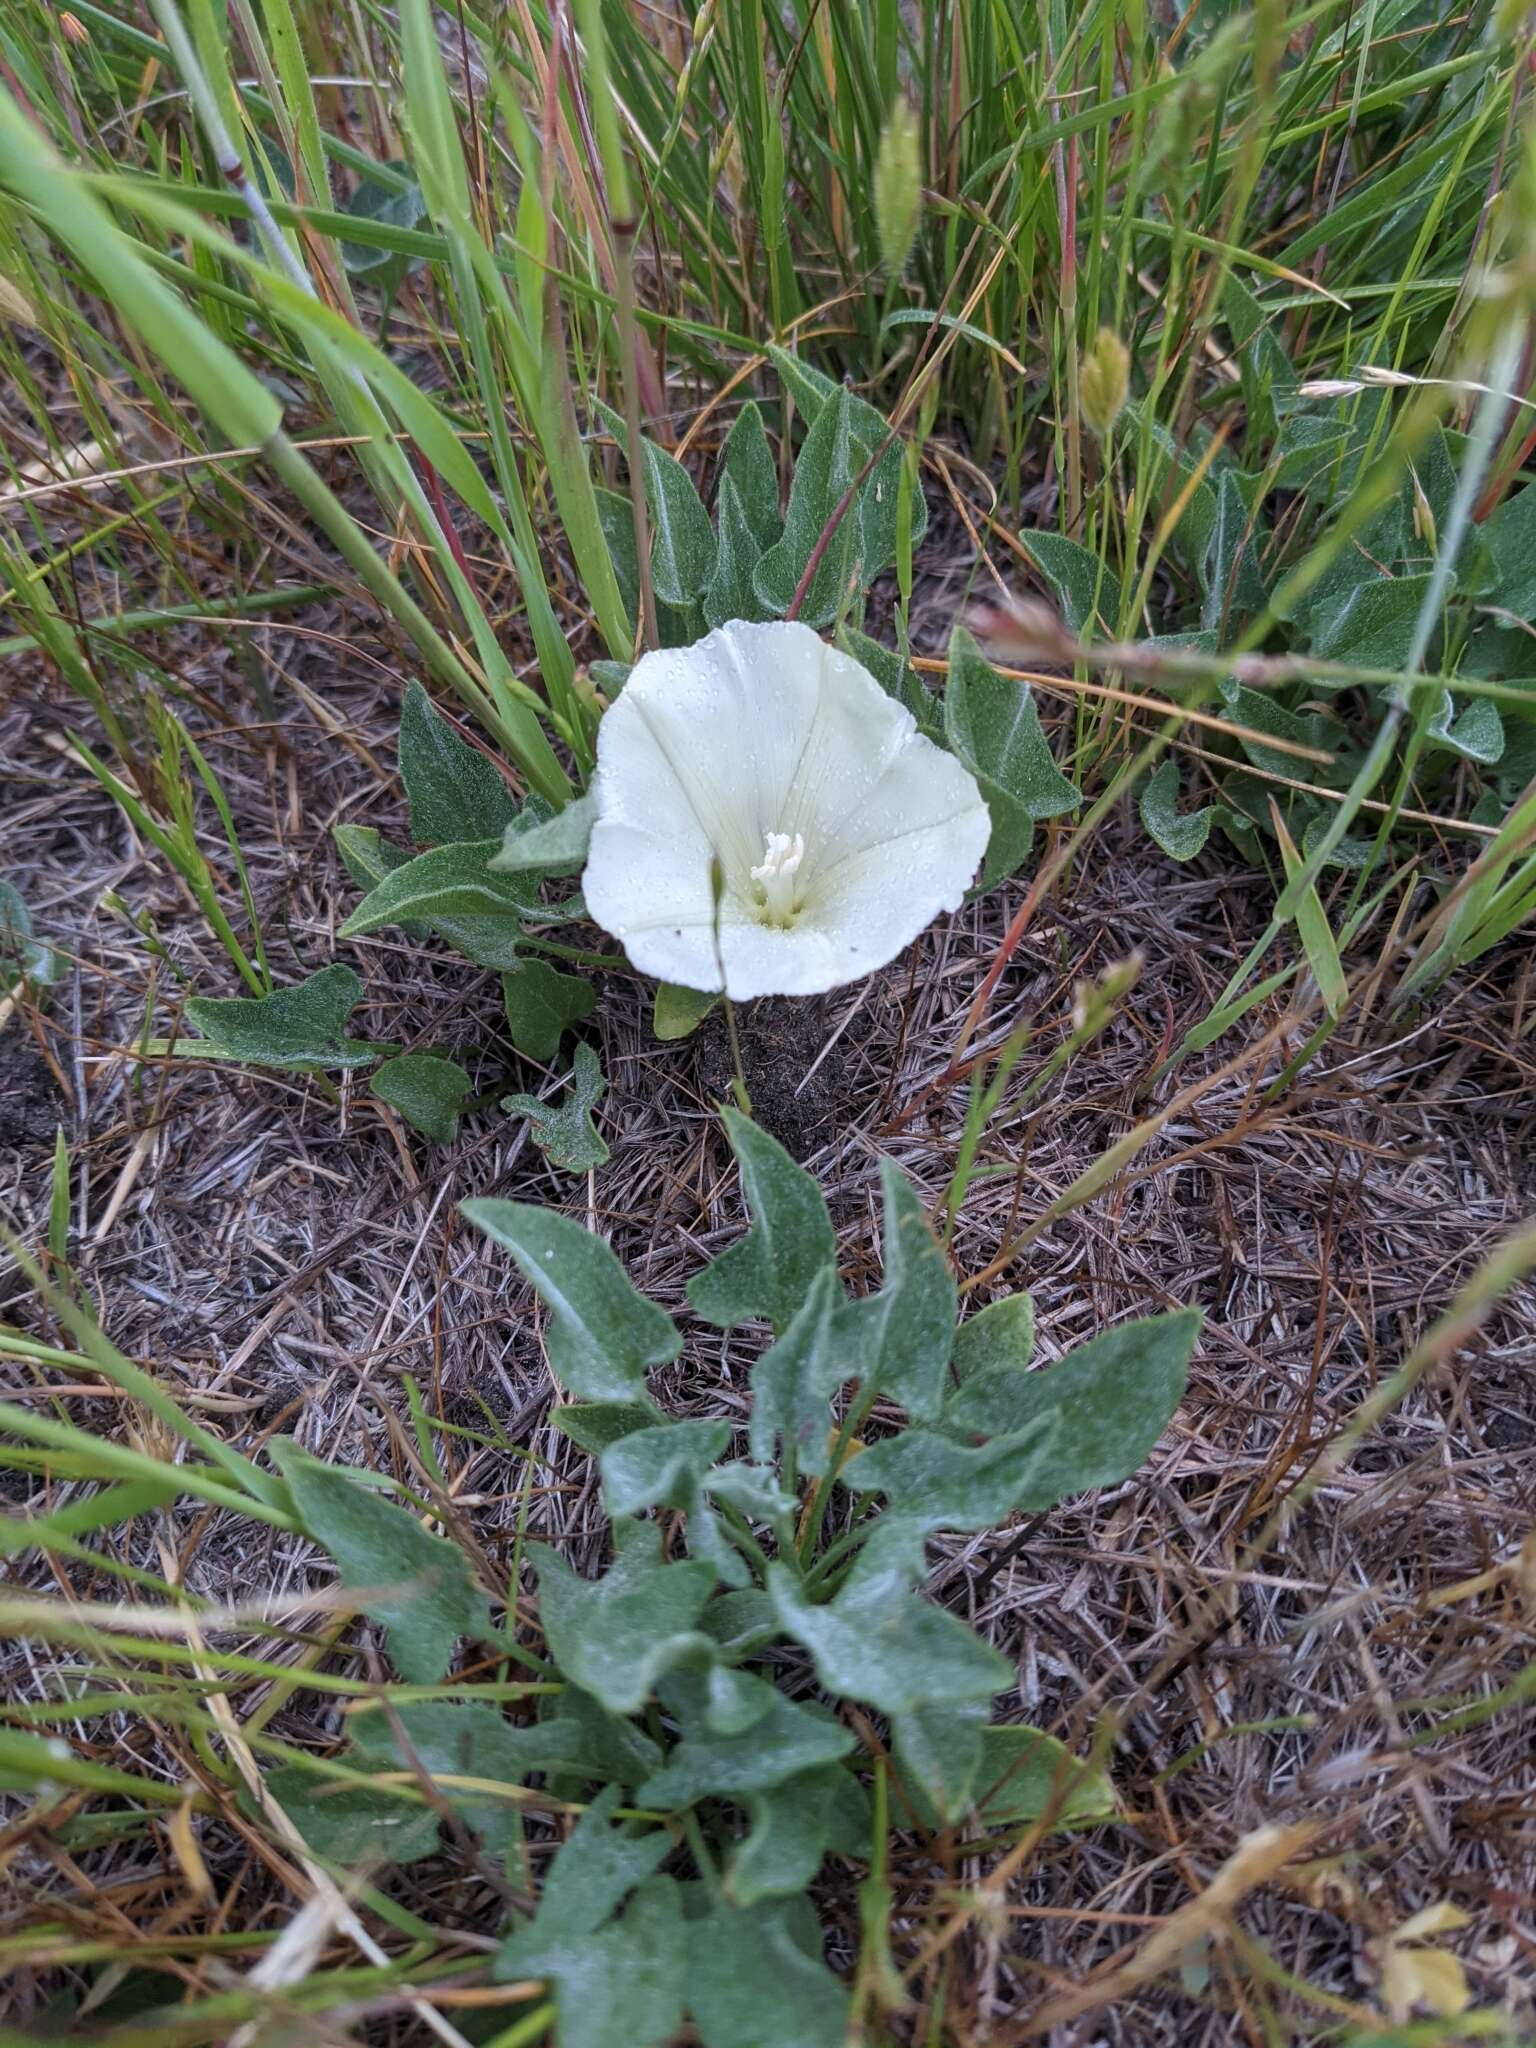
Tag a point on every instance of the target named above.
point(777, 875)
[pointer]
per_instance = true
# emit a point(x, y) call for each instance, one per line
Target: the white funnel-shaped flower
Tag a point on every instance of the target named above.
point(774, 762)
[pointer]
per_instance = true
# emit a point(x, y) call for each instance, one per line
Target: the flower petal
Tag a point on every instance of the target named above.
point(765, 729)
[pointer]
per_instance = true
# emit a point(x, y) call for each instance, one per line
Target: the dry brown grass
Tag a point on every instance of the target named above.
point(283, 1263)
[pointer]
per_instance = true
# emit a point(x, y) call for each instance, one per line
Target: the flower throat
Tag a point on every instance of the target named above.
point(777, 876)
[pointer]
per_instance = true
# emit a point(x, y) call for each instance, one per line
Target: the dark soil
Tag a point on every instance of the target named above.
point(31, 1104)
point(801, 1091)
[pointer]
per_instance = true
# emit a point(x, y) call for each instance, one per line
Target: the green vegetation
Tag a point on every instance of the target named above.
point(543, 336)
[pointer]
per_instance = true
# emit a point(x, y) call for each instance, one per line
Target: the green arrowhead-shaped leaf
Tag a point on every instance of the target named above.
point(354, 1824)
point(1001, 1334)
point(610, 676)
point(452, 1740)
point(455, 791)
point(1022, 1773)
point(387, 206)
point(618, 1984)
point(756, 1979)
point(293, 1029)
point(595, 1871)
point(1071, 574)
point(1181, 835)
point(829, 462)
point(732, 593)
point(454, 890)
point(427, 1089)
point(1229, 569)
point(1112, 1398)
point(1373, 624)
point(594, 1425)
point(715, 1701)
point(682, 539)
point(991, 724)
point(809, 387)
point(783, 1739)
point(542, 1004)
point(605, 1747)
point(876, 510)
point(936, 1483)
point(770, 1272)
point(903, 1335)
point(616, 517)
point(1511, 536)
point(567, 1133)
point(752, 1489)
point(878, 1642)
point(747, 463)
point(366, 855)
point(660, 1465)
point(615, 1636)
point(790, 1830)
point(417, 1584)
point(602, 1336)
point(794, 1381)
point(543, 842)
point(1477, 735)
point(740, 1622)
point(668, 1465)
point(678, 1011)
point(938, 1753)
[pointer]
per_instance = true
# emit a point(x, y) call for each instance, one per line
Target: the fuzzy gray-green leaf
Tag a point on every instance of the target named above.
point(1072, 574)
point(465, 1739)
point(791, 1827)
point(678, 1012)
point(878, 1641)
point(829, 461)
point(455, 891)
point(540, 842)
point(417, 1584)
point(618, 1983)
point(426, 1088)
point(747, 463)
point(1112, 1398)
point(991, 724)
point(614, 1636)
point(938, 1752)
point(602, 1335)
point(660, 1465)
point(731, 593)
point(566, 1133)
point(794, 1381)
point(682, 538)
point(1001, 1334)
point(354, 1824)
point(542, 1004)
point(1021, 1773)
point(936, 1483)
point(1181, 835)
point(293, 1030)
point(903, 1335)
point(783, 1739)
point(756, 1979)
point(769, 1272)
point(455, 791)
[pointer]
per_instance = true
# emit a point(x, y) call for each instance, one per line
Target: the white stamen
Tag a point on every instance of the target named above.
point(776, 876)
